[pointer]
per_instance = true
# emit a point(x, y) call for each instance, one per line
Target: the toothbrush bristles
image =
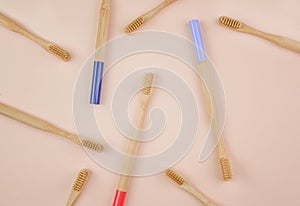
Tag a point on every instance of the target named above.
point(174, 176)
point(92, 145)
point(81, 180)
point(232, 23)
point(225, 168)
point(147, 87)
point(59, 52)
point(134, 25)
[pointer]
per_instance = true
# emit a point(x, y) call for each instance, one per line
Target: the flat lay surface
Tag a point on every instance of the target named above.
point(260, 79)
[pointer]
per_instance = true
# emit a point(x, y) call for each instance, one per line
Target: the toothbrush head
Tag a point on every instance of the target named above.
point(230, 23)
point(59, 52)
point(225, 168)
point(81, 180)
point(92, 145)
point(147, 86)
point(174, 176)
point(134, 25)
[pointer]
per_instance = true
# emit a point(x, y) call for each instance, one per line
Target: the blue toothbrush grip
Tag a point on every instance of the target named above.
point(197, 39)
point(97, 82)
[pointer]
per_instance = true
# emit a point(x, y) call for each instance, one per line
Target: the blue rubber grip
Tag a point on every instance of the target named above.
point(97, 82)
point(197, 39)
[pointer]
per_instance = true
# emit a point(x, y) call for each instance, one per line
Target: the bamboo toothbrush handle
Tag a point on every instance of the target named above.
point(158, 9)
point(124, 179)
point(289, 44)
point(132, 149)
point(190, 189)
point(103, 23)
point(35, 122)
point(15, 27)
point(123, 183)
point(72, 198)
point(279, 40)
point(222, 155)
point(9, 23)
point(167, 3)
point(284, 42)
point(221, 150)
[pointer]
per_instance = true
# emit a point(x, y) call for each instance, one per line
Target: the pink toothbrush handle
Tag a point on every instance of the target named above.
point(119, 198)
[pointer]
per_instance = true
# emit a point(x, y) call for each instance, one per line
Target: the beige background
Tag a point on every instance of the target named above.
point(261, 82)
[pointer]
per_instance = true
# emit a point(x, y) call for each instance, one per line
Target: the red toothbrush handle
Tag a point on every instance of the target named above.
point(119, 198)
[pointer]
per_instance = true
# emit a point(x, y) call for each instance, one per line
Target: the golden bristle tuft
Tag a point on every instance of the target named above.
point(81, 180)
point(174, 176)
point(225, 168)
point(229, 22)
point(92, 145)
point(134, 25)
point(148, 81)
point(59, 52)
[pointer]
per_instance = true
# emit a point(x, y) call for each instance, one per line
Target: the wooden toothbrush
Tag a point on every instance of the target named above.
point(204, 65)
point(132, 146)
point(78, 186)
point(103, 24)
point(188, 187)
point(138, 22)
point(242, 27)
point(50, 47)
point(40, 124)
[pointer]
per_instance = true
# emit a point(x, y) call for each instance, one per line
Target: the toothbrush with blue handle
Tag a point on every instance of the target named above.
point(99, 56)
point(203, 64)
